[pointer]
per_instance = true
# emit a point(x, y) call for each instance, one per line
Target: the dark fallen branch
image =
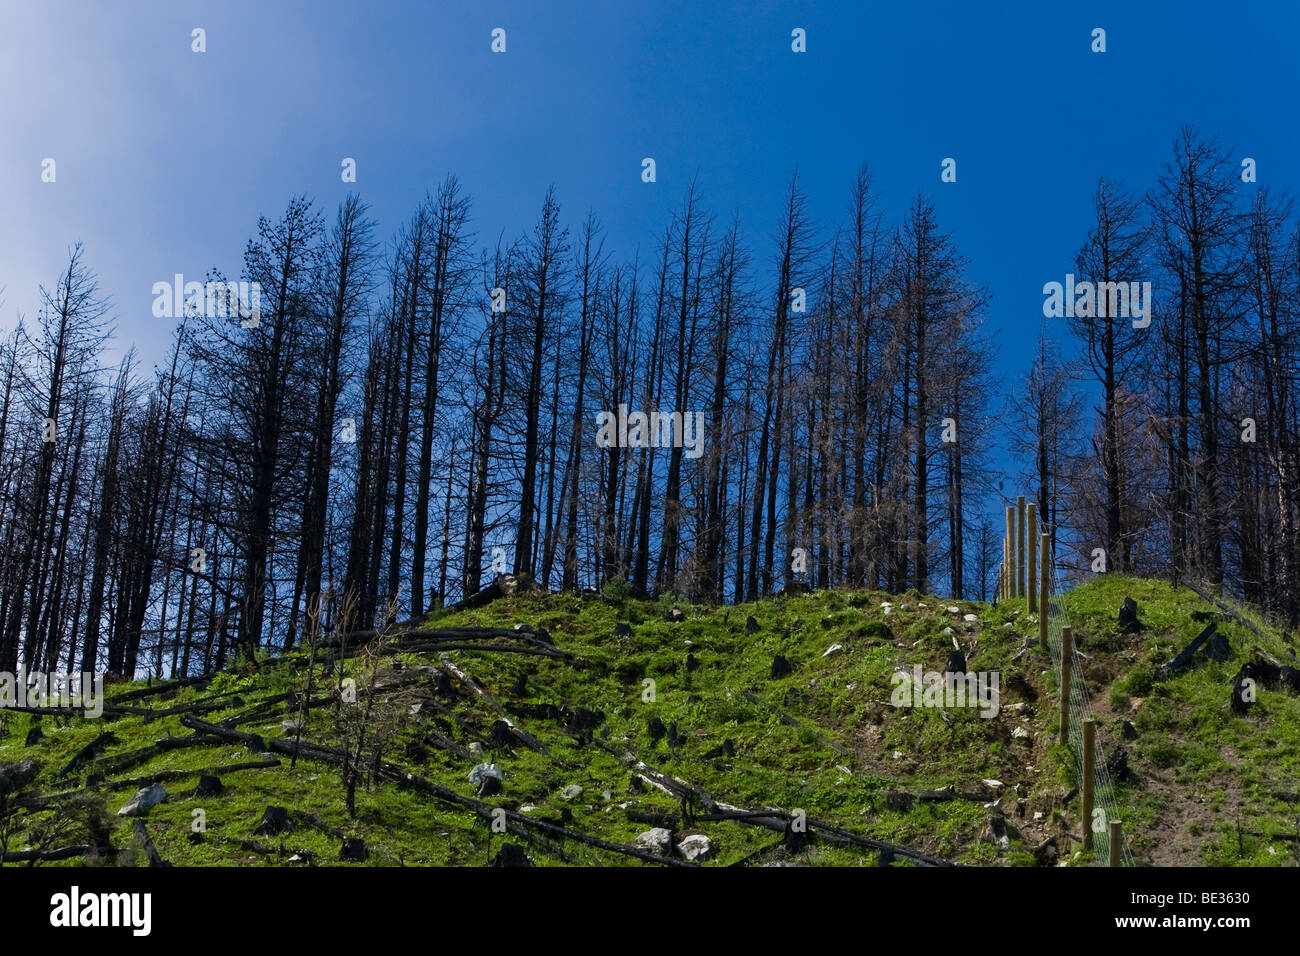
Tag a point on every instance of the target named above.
point(405, 778)
point(793, 722)
point(504, 586)
point(42, 856)
point(761, 854)
point(132, 758)
point(443, 742)
point(89, 752)
point(485, 810)
point(1184, 657)
point(162, 775)
point(150, 851)
point(191, 740)
point(1227, 610)
point(26, 856)
point(938, 796)
point(467, 681)
point(917, 856)
point(263, 849)
point(770, 819)
point(163, 687)
point(313, 821)
point(496, 648)
point(669, 821)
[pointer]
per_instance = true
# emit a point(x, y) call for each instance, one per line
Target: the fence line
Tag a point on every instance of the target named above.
point(1016, 578)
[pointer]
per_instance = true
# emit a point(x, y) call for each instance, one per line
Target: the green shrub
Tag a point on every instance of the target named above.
point(1140, 679)
point(617, 588)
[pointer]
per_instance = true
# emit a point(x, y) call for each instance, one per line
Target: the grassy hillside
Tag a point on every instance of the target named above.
point(1206, 786)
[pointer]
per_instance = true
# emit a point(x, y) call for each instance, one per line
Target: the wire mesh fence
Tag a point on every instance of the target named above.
point(1028, 573)
point(1105, 807)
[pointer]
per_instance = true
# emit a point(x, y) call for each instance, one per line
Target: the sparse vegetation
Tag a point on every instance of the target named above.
point(824, 739)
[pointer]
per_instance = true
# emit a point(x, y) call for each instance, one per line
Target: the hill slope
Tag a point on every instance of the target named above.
point(736, 750)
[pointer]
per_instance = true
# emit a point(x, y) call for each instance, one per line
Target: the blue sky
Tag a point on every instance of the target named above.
point(167, 157)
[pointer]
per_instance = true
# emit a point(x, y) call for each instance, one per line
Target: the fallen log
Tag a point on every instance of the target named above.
point(504, 586)
point(497, 648)
point(1226, 610)
point(163, 687)
point(761, 853)
point(191, 740)
point(150, 851)
point(1183, 657)
point(88, 752)
point(940, 795)
point(317, 823)
point(770, 819)
point(42, 856)
point(656, 778)
point(162, 775)
point(486, 811)
point(795, 723)
point(525, 738)
point(405, 778)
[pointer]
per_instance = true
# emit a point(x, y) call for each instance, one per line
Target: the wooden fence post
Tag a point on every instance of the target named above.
point(1031, 540)
point(1116, 842)
point(1011, 555)
point(1020, 546)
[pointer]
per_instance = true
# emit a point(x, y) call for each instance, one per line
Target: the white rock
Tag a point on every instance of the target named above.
point(1020, 733)
point(695, 847)
point(144, 801)
point(571, 792)
point(992, 783)
point(476, 748)
point(832, 649)
point(657, 840)
point(898, 754)
point(887, 609)
point(954, 610)
point(947, 630)
point(484, 770)
point(971, 618)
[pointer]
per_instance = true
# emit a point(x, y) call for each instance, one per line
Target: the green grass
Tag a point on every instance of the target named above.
point(1197, 767)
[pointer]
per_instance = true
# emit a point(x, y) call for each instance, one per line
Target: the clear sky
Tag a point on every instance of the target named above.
point(166, 157)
